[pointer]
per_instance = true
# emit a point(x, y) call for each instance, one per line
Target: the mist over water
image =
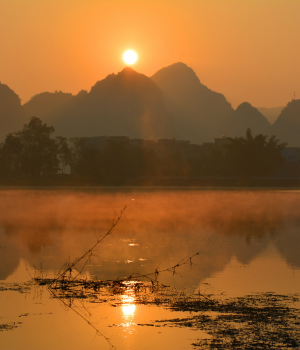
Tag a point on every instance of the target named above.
point(161, 226)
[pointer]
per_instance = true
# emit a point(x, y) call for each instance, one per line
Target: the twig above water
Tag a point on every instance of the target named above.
point(69, 267)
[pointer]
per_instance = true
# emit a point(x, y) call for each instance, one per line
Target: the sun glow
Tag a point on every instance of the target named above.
point(128, 306)
point(130, 57)
point(128, 310)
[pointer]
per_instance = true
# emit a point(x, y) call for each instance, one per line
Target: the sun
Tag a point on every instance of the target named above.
point(130, 57)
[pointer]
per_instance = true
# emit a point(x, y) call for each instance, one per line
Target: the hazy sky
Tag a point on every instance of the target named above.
point(246, 49)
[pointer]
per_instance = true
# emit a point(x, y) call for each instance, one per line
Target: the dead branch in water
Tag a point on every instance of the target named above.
point(68, 287)
point(64, 280)
point(172, 269)
point(139, 284)
point(70, 266)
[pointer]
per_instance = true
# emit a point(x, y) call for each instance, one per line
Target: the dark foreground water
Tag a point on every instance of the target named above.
point(248, 243)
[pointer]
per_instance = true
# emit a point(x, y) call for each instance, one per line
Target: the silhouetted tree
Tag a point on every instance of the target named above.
point(64, 153)
point(214, 163)
point(30, 152)
point(122, 161)
point(254, 156)
point(76, 145)
point(10, 156)
point(115, 163)
point(89, 163)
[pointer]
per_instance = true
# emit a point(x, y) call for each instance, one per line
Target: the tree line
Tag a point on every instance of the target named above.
point(33, 153)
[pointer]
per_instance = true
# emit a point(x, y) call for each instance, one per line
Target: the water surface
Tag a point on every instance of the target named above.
point(248, 242)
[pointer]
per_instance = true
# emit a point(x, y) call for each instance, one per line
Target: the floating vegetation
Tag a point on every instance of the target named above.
point(9, 326)
point(260, 321)
point(99, 291)
point(18, 287)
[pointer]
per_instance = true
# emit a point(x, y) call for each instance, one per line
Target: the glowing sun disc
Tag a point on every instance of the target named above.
point(130, 57)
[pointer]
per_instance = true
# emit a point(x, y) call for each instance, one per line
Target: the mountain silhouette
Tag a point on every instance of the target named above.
point(46, 104)
point(287, 125)
point(172, 103)
point(244, 117)
point(197, 111)
point(127, 103)
point(271, 113)
point(12, 116)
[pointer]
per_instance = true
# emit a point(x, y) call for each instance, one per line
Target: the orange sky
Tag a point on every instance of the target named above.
point(246, 49)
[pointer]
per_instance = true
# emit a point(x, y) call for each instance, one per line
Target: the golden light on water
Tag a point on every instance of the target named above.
point(128, 310)
point(128, 303)
point(130, 57)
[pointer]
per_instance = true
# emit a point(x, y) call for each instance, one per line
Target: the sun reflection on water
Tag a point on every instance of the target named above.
point(128, 310)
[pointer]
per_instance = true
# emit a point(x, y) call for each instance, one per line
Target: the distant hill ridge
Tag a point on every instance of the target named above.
point(198, 112)
point(246, 116)
point(46, 104)
point(171, 103)
point(271, 113)
point(12, 115)
point(127, 103)
point(287, 125)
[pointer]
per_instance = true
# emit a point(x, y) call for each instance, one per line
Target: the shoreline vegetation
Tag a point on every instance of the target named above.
point(32, 157)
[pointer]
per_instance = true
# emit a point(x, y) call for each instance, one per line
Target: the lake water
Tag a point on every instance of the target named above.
point(248, 242)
